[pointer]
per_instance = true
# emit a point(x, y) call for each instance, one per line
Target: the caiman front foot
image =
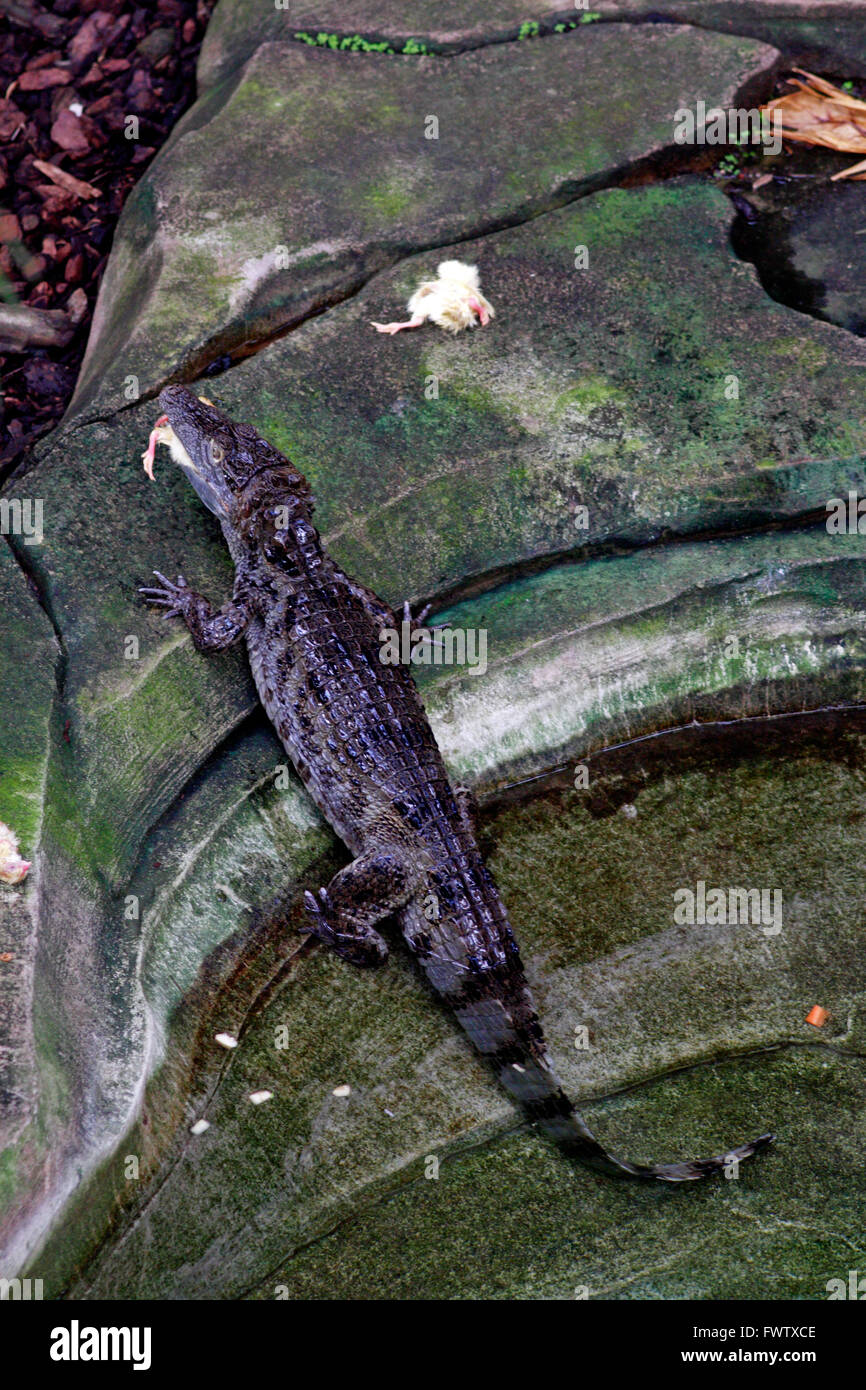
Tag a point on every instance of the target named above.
point(418, 624)
point(175, 598)
point(211, 632)
point(360, 945)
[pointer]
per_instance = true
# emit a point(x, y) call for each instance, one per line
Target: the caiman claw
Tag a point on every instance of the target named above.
point(173, 597)
point(357, 943)
point(318, 908)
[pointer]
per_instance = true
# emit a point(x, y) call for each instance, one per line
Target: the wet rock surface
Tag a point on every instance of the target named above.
point(806, 237)
point(623, 482)
point(268, 205)
point(831, 33)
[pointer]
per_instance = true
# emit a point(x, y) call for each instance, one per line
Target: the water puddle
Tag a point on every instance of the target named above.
point(804, 234)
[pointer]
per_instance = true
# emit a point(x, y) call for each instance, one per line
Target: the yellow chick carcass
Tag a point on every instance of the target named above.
point(454, 301)
point(12, 867)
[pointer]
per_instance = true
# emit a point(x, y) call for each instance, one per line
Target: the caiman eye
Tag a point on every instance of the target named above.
point(217, 452)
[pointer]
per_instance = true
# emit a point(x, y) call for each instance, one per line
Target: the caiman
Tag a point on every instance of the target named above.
point(357, 733)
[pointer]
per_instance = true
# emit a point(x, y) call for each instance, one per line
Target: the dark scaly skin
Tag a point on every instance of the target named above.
point(358, 735)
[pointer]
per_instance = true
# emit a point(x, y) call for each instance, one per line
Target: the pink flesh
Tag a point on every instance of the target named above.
point(477, 309)
point(150, 452)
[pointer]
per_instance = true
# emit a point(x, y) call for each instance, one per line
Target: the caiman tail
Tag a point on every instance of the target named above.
point(546, 1104)
point(512, 1040)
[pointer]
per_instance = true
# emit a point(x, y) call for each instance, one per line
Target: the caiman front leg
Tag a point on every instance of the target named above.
point(344, 915)
point(210, 631)
point(418, 624)
point(385, 617)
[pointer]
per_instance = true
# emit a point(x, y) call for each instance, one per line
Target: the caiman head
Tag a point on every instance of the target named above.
point(219, 457)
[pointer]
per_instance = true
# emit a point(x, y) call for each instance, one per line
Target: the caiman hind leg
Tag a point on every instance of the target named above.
point(344, 915)
point(210, 631)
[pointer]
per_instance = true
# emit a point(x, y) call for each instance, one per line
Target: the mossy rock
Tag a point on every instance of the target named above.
point(671, 694)
point(267, 204)
point(830, 35)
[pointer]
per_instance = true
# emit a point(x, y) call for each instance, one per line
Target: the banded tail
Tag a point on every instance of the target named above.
point(512, 1039)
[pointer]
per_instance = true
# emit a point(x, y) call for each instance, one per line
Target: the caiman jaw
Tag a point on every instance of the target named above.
point(162, 433)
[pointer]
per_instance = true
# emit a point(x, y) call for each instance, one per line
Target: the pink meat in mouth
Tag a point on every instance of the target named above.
point(150, 452)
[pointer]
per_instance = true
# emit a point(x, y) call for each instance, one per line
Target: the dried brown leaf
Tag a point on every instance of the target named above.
point(817, 113)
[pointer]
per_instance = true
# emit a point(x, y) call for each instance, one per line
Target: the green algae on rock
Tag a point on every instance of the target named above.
point(832, 34)
point(266, 206)
point(268, 1201)
point(658, 392)
point(580, 483)
point(29, 655)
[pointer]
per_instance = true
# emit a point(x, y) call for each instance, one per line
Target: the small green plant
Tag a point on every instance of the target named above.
point(353, 43)
point(530, 29)
point(729, 164)
point(590, 17)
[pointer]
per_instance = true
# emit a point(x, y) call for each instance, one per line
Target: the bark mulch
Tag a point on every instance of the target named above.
point(89, 90)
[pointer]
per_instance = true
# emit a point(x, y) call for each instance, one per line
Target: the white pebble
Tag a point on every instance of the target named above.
point(200, 1126)
point(342, 1091)
point(258, 1096)
point(226, 1040)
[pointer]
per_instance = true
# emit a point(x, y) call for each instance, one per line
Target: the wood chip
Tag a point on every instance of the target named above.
point(817, 113)
point(76, 306)
point(22, 327)
point(10, 227)
point(67, 181)
point(32, 16)
point(11, 119)
point(42, 78)
point(68, 133)
point(42, 60)
point(56, 199)
point(89, 35)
